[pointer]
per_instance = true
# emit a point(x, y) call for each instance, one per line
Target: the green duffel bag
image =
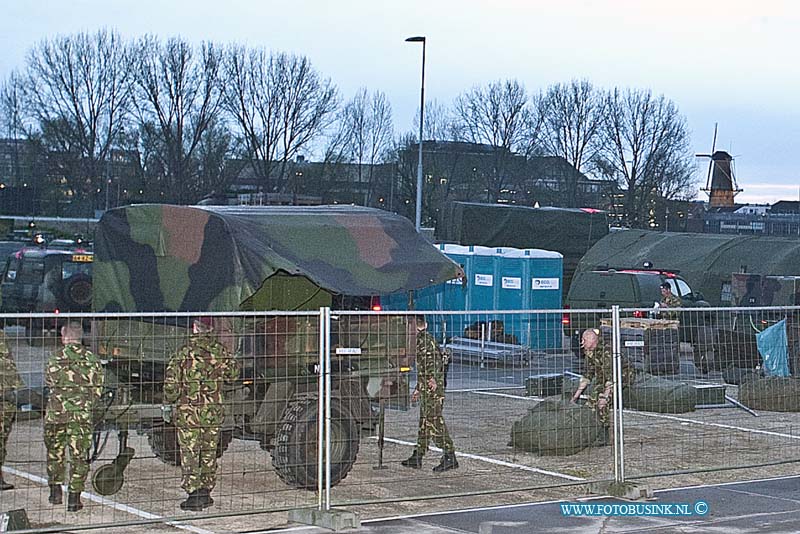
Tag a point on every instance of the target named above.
point(771, 393)
point(650, 393)
point(557, 427)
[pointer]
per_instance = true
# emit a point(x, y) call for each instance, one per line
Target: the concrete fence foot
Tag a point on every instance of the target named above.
point(633, 491)
point(330, 519)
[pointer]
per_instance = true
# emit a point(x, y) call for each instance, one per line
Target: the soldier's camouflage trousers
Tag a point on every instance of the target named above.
point(75, 436)
point(431, 424)
point(198, 441)
point(604, 413)
point(8, 413)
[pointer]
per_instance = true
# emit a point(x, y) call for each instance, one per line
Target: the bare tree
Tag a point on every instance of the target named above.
point(498, 115)
point(216, 166)
point(77, 88)
point(573, 114)
point(11, 95)
point(368, 122)
point(645, 146)
point(280, 105)
point(178, 91)
point(440, 124)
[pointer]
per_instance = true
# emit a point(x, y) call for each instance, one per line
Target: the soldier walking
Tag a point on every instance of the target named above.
point(74, 378)
point(193, 382)
point(430, 390)
point(9, 383)
point(599, 368)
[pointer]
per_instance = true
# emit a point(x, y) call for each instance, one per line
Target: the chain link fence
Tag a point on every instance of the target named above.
point(698, 408)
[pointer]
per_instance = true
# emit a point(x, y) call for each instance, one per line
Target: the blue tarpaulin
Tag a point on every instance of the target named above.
point(773, 346)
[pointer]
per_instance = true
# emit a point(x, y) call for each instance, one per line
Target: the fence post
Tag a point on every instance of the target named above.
point(321, 408)
point(619, 447)
point(327, 356)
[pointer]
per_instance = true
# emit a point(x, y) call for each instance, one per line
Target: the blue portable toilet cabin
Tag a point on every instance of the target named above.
point(497, 279)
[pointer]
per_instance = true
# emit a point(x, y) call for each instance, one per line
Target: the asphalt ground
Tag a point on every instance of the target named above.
point(770, 505)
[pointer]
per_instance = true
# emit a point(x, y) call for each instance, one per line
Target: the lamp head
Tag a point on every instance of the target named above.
point(416, 39)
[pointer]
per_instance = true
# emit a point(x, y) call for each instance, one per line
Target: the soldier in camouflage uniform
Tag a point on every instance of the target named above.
point(193, 381)
point(9, 383)
point(74, 378)
point(431, 368)
point(599, 368)
point(668, 300)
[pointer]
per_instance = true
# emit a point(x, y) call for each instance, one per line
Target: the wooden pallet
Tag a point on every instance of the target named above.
point(643, 323)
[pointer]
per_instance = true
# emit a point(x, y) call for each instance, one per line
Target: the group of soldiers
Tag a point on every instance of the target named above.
point(74, 387)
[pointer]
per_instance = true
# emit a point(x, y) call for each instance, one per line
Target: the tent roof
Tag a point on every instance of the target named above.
point(706, 261)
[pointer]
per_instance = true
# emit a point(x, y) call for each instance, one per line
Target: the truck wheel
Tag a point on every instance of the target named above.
point(77, 293)
point(295, 454)
point(163, 440)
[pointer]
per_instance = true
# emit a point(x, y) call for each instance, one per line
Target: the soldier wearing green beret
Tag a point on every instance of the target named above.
point(431, 371)
point(193, 382)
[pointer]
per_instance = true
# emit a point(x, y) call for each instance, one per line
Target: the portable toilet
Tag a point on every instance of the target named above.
point(497, 279)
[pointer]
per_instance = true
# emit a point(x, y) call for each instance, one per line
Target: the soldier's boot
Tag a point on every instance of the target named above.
point(55, 494)
point(604, 438)
point(448, 462)
point(204, 497)
point(192, 502)
point(414, 461)
point(3, 484)
point(74, 501)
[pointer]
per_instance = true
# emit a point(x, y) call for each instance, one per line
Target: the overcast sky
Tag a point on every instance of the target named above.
point(731, 62)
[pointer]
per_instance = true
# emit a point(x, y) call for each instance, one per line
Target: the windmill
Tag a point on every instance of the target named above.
point(720, 183)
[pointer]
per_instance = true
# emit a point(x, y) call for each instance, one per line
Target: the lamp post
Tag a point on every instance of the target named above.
point(420, 39)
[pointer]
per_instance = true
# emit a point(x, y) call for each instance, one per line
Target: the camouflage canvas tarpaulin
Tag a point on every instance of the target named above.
point(214, 258)
point(705, 261)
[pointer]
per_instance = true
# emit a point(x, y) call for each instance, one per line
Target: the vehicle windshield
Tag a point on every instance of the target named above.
point(71, 268)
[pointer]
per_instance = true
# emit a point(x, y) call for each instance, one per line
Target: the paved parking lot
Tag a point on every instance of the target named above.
point(771, 505)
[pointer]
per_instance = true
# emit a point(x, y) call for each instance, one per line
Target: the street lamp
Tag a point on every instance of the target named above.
point(420, 39)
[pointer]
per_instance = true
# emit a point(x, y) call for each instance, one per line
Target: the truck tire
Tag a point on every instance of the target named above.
point(163, 440)
point(77, 293)
point(295, 454)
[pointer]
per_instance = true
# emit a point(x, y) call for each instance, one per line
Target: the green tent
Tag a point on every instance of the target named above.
point(705, 261)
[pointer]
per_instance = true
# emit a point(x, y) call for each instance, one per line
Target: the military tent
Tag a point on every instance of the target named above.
point(223, 258)
point(705, 261)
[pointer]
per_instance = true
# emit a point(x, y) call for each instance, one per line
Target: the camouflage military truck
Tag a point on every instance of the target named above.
point(255, 261)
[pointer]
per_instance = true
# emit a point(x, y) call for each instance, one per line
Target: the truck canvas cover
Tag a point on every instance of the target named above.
point(705, 261)
point(156, 257)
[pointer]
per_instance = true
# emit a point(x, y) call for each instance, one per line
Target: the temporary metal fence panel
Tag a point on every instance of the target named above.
point(492, 383)
point(268, 443)
point(701, 408)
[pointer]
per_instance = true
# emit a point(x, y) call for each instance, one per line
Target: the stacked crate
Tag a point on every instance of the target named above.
point(650, 345)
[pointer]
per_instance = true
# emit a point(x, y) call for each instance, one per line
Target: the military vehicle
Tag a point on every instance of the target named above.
point(250, 262)
point(46, 280)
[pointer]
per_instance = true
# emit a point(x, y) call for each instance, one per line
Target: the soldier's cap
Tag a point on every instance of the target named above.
point(204, 322)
